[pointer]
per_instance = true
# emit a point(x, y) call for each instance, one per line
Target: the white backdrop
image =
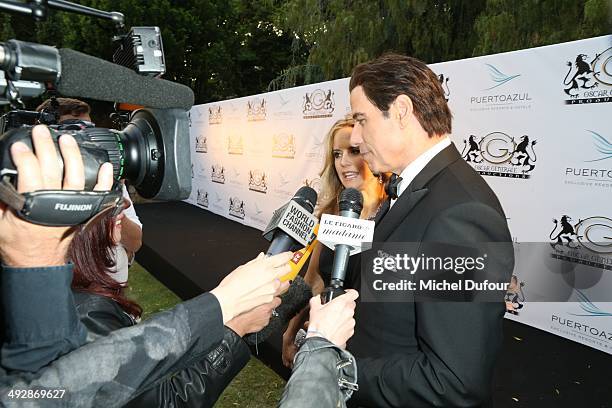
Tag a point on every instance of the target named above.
point(535, 123)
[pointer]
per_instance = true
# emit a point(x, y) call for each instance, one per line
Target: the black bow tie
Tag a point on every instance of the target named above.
point(392, 186)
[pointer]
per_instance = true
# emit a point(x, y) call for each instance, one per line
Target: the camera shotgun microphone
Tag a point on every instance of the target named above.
point(351, 204)
point(80, 75)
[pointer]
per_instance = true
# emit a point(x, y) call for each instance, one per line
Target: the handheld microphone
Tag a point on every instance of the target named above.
point(293, 223)
point(351, 204)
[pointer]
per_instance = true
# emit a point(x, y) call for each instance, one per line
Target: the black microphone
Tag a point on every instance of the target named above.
point(81, 75)
point(351, 204)
point(295, 299)
point(85, 76)
point(281, 222)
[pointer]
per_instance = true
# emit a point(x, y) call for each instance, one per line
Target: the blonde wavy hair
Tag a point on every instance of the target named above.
point(330, 182)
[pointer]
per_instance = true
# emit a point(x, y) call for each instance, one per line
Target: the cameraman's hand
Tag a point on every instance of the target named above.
point(334, 320)
point(23, 244)
point(252, 284)
point(253, 320)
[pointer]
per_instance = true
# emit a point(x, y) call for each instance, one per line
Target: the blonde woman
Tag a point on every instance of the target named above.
point(344, 168)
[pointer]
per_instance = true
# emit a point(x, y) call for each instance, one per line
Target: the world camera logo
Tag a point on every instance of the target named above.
point(283, 146)
point(589, 81)
point(586, 242)
point(202, 198)
point(217, 174)
point(497, 95)
point(444, 83)
point(257, 181)
point(201, 146)
point(500, 155)
point(318, 104)
point(215, 115)
point(236, 208)
point(256, 110)
point(596, 167)
point(235, 144)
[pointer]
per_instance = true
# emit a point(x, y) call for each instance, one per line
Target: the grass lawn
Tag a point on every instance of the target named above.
point(257, 386)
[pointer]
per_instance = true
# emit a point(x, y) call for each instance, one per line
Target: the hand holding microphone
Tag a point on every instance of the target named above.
point(255, 283)
point(333, 320)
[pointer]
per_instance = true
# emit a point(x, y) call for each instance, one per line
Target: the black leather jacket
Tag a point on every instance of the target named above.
point(198, 383)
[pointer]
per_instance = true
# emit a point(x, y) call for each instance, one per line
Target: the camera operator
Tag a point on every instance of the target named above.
point(67, 111)
point(40, 318)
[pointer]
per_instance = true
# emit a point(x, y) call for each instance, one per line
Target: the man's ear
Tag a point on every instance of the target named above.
point(403, 106)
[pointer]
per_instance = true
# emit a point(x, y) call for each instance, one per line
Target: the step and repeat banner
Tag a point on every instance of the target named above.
point(535, 123)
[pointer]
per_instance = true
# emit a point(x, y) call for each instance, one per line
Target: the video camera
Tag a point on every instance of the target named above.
point(151, 151)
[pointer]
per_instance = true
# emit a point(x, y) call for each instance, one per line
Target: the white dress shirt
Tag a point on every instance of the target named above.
point(414, 168)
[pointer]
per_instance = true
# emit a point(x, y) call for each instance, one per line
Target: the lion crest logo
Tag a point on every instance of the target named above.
point(444, 83)
point(318, 104)
point(215, 115)
point(499, 148)
point(236, 207)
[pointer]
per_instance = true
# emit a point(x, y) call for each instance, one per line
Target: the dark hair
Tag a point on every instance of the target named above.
point(391, 75)
point(91, 253)
point(67, 106)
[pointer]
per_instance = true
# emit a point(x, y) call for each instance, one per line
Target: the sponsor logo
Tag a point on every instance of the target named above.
point(201, 146)
point(215, 115)
point(316, 153)
point(235, 179)
point(515, 298)
point(285, 110)
point(589, 80)
point(500, 155)
point(499, 96)
point(256, 110)
point(444, 83)
point(283, 186)
point(586, 242)
point(589, 333)
point(283, 146)
point(73, 207)
point(598, 172)
point(202, 198)
point(235, 144)
point(257, 181)
point(236, 208)
point(217, 174)
point(588, 308)
point(318, 104)
point(257, 215)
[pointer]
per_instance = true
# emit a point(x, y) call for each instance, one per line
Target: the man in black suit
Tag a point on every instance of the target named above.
point(423, 353)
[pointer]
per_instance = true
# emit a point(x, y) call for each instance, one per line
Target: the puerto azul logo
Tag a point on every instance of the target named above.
point(318, 104)
point(587, 242)
point(217, 174)
point(283, 146)
point(201, 146)
point(256, 110)
point(500, 93)
point(589, 81)
point(215, 115)
point(236, 207)
point(598, 172)
point(235, 145)
point(498, 77)
point(202, 198)
point(500, 155)
point(257, 181)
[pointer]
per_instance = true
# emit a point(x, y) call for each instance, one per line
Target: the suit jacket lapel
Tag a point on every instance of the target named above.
point(414, 193)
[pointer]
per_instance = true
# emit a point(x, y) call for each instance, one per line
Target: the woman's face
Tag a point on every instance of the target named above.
point(351, 169)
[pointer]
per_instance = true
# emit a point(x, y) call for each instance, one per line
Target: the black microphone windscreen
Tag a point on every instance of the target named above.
point(90, 77)
point(293, 301)
point(351, 200)
point(306, 197)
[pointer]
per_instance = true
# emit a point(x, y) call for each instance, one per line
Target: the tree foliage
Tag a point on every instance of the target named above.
point(221, 49)
point(339, 34)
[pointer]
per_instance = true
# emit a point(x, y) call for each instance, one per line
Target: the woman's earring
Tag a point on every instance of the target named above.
point(380, 178)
